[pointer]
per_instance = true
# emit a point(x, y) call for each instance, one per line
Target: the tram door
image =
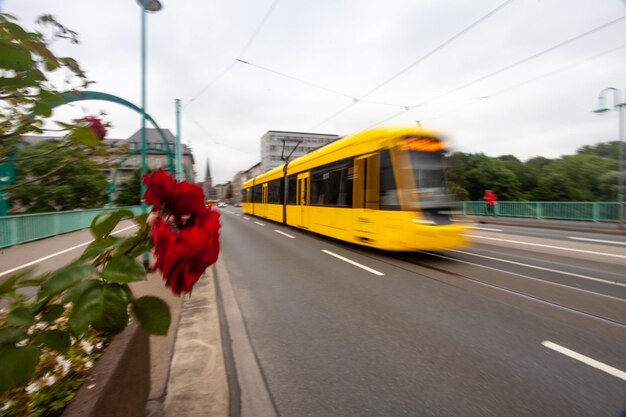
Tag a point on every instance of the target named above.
point(262, 208)
point(366, 194)
point(302, 199)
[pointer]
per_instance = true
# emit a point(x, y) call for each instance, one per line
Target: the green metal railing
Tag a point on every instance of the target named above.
point(577, 210)
point(22, 228)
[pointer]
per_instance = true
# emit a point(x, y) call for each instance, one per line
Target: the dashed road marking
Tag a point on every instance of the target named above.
point(259, 223)
point(368, 269)
point(285, 234)
point(585, 359)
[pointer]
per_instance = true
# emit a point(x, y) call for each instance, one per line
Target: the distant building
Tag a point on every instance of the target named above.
point(119, 167)
point(210, 193)
point(299, 143)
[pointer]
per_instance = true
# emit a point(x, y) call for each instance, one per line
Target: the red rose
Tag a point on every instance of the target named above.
point(96, 125)
point(188, 199)
point(184, 256)
point(160, 188)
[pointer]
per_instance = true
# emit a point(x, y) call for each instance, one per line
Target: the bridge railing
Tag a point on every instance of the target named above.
point(555, 210)
point(22, 228)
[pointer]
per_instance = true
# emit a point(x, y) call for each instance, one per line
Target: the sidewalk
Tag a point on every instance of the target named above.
point(569, 225)
point(188, 376)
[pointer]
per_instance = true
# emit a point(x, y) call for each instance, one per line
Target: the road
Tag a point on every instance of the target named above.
point(524, 323)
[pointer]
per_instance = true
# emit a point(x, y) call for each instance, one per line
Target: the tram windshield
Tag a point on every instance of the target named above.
point(430, 182)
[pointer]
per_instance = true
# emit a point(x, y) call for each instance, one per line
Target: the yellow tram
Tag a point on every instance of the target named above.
point(383, 188)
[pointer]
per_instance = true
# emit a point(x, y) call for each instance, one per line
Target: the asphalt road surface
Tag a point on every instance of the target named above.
point(520, 324)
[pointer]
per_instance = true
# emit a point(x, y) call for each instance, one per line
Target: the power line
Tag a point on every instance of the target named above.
point(213, 140)
point(505, 68)
point(413, 64)
point(243, 51)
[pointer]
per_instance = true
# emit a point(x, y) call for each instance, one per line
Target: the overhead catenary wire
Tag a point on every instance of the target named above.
point(505, 68)
point(534, 79)
point(414, 63)
point(243, 51)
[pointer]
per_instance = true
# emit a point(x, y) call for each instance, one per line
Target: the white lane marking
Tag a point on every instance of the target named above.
point(57, 253)
point(487, 229)
point(604, 281)
point(259, 223)
point(246, 218)
point(549, 246)
point(612, 242)
point(237, 214)
point(523, 276)
point(585, 359)
point(285, 234)
point(368, 269)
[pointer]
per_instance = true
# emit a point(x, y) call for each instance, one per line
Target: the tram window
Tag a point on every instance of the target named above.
point(331, 185)
point(291, 189)
point(275, 192)
point(244, 196)
point(257, 194)
point(388, 191)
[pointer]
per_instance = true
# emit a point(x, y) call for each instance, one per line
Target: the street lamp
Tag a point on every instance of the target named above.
point(146, 6)
point(617, 105)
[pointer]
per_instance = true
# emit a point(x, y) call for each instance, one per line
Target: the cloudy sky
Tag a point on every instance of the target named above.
point(500, 77)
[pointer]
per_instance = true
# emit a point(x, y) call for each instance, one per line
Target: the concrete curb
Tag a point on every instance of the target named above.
point(197, 384)
point(120, 383)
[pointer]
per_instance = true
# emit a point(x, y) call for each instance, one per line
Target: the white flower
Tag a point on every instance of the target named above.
point(50, 379)
point(6, 406)
point(87, 347)
point(99, 346)
point(34, 387)
point(64, 364)
point(89, 364)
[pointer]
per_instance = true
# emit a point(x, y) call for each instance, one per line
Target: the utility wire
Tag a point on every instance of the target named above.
point(243, 51)
point(413, 64)
point(213, 140)
point(505, 68)
point(548, 74)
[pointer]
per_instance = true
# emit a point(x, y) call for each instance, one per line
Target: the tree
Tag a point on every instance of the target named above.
point(57, 179)
point(129, 191)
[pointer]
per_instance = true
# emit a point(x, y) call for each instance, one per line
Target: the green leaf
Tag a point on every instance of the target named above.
point(12, 335)
point(122, 268)
point(21, 316)
point(65, 278)
point(74, 293)
point(102, 307)
point(54, 339)
point(18, 364)
point(50, 97)
point(42, 109)
point(84, 136)
point(98, 246)
point(104, 223)
point(13, 57)
point(52, 312)
point(153, 314)
point(142, 219)
point(7, 284)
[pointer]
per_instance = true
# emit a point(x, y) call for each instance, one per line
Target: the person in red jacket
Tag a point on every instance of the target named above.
point(490, 202)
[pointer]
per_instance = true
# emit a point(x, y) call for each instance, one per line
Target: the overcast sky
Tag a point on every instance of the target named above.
point(500, 77)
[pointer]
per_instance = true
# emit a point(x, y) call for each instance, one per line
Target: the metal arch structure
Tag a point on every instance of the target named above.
point(97, 95)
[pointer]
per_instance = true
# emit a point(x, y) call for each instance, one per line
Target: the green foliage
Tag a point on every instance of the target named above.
point(65, 179)
point(153, 314)
point(590, 175)
point(129, 191)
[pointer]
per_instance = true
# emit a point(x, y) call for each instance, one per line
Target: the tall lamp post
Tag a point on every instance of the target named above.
point(619, 106)
point(146, 6)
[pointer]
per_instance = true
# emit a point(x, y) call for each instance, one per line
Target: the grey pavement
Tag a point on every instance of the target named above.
point(188, 376)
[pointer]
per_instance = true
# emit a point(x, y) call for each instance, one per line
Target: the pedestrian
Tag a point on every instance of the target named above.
point(490, 202)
